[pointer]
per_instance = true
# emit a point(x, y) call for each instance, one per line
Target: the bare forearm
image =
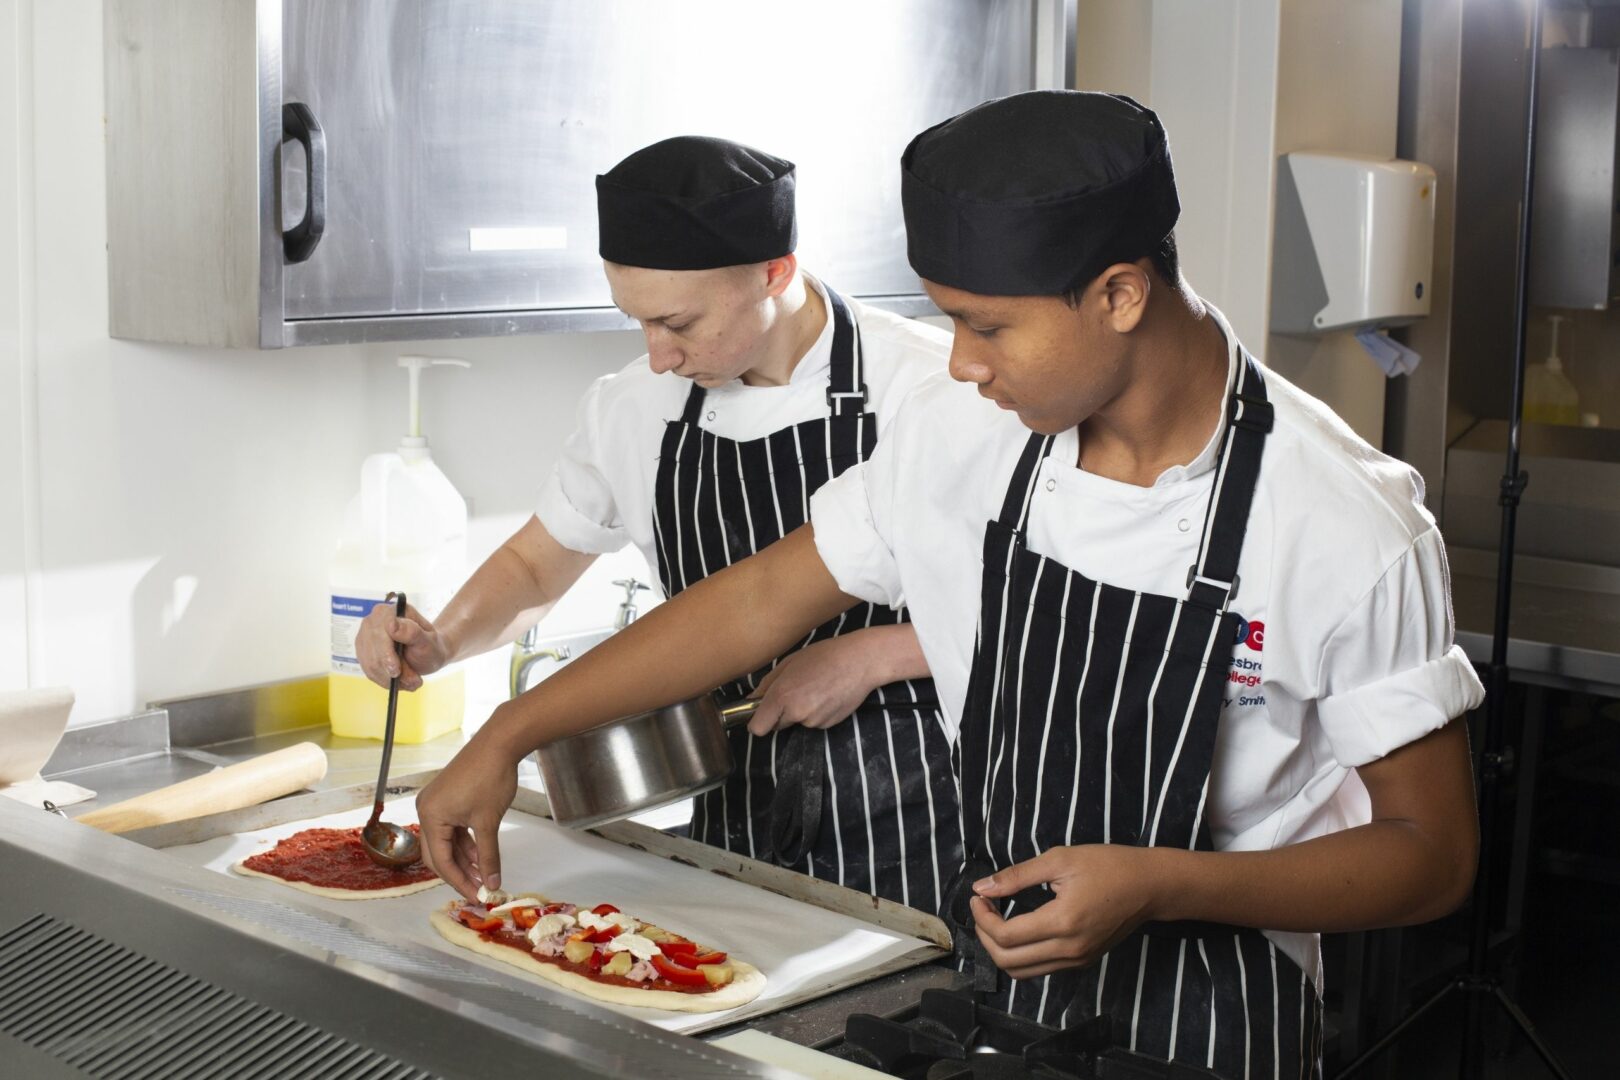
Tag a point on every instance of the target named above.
point(1386, 873)
point(1413, 862)
point(510, 592)
point(727, 624)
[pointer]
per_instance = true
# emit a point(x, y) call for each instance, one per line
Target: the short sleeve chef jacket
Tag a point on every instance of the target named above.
point(600, 495)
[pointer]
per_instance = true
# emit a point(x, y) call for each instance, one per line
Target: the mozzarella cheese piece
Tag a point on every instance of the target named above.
point(513, 905)
point(549, 926)
point(634, 944)
point(490, 896)
point(590, 920)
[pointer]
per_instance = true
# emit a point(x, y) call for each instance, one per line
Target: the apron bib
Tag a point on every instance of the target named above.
point(1091, 717)
point(871, 802)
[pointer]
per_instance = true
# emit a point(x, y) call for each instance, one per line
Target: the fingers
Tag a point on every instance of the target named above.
point(1039, 925)
point(439, 843)
point(1018, 877)
point(1024, 946)
point(488, 851)
point(767, 718)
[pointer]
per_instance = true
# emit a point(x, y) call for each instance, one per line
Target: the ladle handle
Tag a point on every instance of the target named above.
point(393, 708)
point(738, 713)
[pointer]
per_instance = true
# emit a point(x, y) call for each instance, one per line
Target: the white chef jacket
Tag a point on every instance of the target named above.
point(600, 495)
point(1346, 650)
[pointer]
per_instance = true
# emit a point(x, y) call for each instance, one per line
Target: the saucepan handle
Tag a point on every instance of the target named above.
point(738, 712)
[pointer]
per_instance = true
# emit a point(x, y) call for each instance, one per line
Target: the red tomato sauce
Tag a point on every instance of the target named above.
point(333, 859)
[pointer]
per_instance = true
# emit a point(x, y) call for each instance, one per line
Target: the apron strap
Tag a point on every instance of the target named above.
point(1212, 581)
point(694, 405)
point(846, 377)
point(1021, 489)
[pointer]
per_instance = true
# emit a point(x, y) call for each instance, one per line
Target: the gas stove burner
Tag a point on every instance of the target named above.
point(954, 1037)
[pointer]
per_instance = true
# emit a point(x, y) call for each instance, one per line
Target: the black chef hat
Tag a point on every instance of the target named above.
point(695, 203)
point(1037, 193)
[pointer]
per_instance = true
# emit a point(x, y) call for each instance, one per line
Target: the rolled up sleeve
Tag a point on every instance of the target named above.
point(577, 506)
point(1391, 671)
point(849, 540)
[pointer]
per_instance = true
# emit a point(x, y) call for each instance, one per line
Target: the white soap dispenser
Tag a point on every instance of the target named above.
point(405, 530)
point(1549, 396)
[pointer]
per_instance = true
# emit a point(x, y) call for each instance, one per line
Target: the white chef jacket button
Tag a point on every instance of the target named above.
point(1183, 525)
point(1051, 485)
point(711, 414)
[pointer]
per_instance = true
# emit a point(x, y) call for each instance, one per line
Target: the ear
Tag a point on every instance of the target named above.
point(779, 274)
point(1125, 289)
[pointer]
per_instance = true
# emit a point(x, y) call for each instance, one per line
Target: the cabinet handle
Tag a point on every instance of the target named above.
point(297, 122)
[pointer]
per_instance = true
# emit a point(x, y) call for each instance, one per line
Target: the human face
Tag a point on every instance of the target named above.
point(1053, 364)
point(705, 325)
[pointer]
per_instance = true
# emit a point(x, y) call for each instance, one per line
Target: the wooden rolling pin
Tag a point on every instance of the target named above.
point(246, 783)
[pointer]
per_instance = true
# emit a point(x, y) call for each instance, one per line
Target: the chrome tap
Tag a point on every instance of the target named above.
point(627, 607)
point(525, 654)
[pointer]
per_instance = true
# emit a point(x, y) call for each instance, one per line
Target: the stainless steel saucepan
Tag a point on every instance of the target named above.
point(642, 761)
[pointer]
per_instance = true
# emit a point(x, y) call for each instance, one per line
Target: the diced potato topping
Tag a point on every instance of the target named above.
point(717, 974)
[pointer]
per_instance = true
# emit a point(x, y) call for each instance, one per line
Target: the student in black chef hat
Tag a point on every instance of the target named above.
point(759, 385)
point(1197, 633)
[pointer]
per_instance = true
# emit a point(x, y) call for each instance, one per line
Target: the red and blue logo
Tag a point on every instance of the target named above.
point(1252, 634)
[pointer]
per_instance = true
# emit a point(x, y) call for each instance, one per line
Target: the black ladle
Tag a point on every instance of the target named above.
point(393, 846)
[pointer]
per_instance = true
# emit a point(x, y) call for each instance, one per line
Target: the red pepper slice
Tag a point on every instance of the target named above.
point(715, 957)
point(675, 973)
point(597, 937)
point(525, 917)
point(482, 925)
point(605, 910)
point(553, 909)
point(596, 961)
point(679, 949)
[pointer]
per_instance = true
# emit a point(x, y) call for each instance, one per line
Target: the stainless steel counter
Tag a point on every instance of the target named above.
point(133, 755)
point(1565, 619)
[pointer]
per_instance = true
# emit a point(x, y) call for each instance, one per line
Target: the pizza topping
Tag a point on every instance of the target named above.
point(481, 923)
point(596, 919)
point(607, 946)
point(677, 973)
point(489, 897)
point(550, 926)
point(633, 945)
point(604, 909)
point(717, 974)
point(520, 902)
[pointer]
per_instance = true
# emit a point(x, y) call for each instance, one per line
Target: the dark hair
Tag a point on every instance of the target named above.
point(1165, 259)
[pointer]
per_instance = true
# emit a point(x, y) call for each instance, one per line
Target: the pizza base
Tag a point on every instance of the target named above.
point(339, 894)
point(745, 985)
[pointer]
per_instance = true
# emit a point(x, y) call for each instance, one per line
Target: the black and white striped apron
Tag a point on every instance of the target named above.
point(1090, 719)
point(871, 802)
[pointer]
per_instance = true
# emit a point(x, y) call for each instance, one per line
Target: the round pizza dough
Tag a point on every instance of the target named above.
point(745, 985)
point(340, 894)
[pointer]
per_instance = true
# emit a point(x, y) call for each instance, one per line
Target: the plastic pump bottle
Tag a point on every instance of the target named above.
point(1549, 396)
point(405, 530)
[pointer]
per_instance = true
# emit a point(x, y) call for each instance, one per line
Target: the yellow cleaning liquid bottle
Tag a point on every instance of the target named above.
point(1549, 396)
point(405, 531)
